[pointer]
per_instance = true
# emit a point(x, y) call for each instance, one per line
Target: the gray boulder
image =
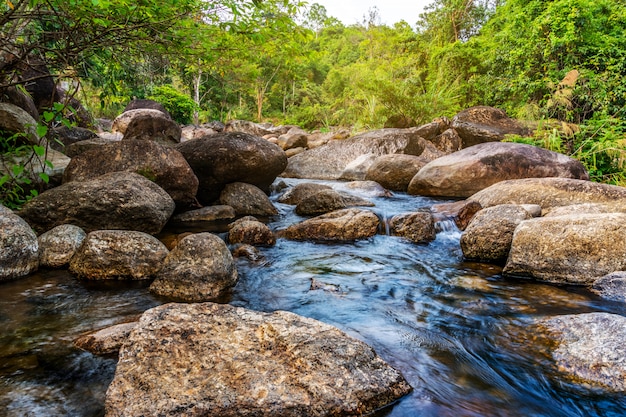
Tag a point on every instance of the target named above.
point(141, 103)
point(574, 249)
point(590, 348)
point(207, 214)
point(418, 227)
point(611, 286)
point(58, 245)
point(199, 268)
point(325, 201)
point(163, 165)
point(226, 158)
point(341, 225)
point(119, 200)
point(551, 192)
point(329, 161)
point(118, 254)
point(18, 247)
point(299, 192)
point(395, 171)
point(486, 124)
point(153, 127)
point(247, 199)
point(489, 235)
point(218, 360)
point(121, 122)
point(248, 230)
point(473, 169)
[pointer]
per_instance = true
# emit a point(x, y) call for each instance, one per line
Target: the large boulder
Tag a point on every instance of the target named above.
point(65, 136)
point(163, 165)
point(611, 286)
point(18, 246)
point(248, 230)
point(329, 161)
point(119, 255)
point(299, 192)
point(551, 192)
point(153, 127)
point(225, 158)
point(142, 103)
point(486, 124)
point(589, 348)
point(341, 225)
point(489, 235)
point(250, 128)
point(58, 245)
point(395, 171)
point(218, 360)
point(119, 200)
point(16, 120)
point(325, 201)
point(574, 249)
point(121, 122)
point(247, 199)
point(19, 98)
point(200, 268)
point(470, 170)
point(418, 227)
point(207, 214)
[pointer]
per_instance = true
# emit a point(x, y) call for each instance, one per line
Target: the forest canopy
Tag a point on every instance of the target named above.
point(290, 62)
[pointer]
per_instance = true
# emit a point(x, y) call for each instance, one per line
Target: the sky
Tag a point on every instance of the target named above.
point(390, 11)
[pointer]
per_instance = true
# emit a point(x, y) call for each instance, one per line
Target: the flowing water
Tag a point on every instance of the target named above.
point(461, 334)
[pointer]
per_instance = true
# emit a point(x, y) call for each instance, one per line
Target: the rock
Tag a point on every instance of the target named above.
point(395, 171)
point(357, 169)
point(141, 103)
point(295, 138)
point(341, 225)
point(399, 121)
point(215, 125)
point(58, 245)
point(119, 200)
point(246, 199)
point(611, 286)
point(247, 251)
point(486, 124)
point(574, 249)
point(448, 142)
point(199, 268)
point(195, 132)
point(488, 236)
point(14, 119)
point(163, 165)
point(249, 230)
point(65, 136)
point(473, 169)
point(365, 189)
point(317, 138)
point(325, 201)
point(294, 151)
point(550, 192)
point(219, 360)
point(418, 227)
point(232, 157)
point(250, 128)
point(299, 192)
point(18, 247)
point(206, 214)
point(149, 127)
point(462, 212)
point(118, 254)
point(590, 348)
point(329, 161)
point(121, 122)
point(85, 145)
point(15, 96)
point(586, 208)
point(107, 341)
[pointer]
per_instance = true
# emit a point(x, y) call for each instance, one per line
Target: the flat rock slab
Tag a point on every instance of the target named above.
point(590, 348)
point(218, 360)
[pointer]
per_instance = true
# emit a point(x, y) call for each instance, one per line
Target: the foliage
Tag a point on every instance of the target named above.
point(179, 105)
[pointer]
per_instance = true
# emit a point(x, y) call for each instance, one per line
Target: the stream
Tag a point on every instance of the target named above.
point(460, 333)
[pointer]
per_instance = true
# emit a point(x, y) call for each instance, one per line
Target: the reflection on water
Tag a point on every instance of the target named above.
point(460, 333)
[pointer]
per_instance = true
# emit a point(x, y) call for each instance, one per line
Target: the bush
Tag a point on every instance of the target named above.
point(179, 105)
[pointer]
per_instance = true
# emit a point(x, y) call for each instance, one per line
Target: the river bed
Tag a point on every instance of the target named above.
point(461, 334)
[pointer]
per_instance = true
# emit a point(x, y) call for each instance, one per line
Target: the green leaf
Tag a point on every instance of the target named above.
point(48, 116)
point(17, 170)
point(49, 164)
point(42, 130)
point(4, 179)
point(44, 177)
point(39, 150)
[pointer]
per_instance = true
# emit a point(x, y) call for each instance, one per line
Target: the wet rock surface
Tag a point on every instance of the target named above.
point(210, 359)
